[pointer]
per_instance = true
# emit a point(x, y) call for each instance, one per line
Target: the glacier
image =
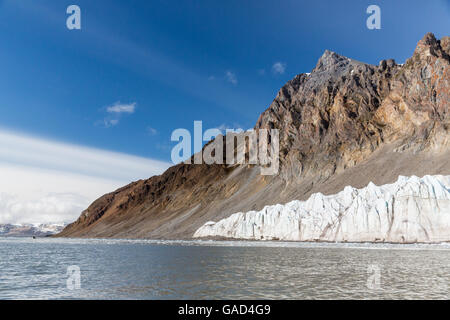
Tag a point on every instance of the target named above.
point(411, 210)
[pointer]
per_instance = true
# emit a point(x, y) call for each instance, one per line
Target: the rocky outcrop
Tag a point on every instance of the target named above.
point(410, 210)
point(345, 123)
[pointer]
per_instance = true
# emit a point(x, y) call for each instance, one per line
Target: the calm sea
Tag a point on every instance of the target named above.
point(139, 269)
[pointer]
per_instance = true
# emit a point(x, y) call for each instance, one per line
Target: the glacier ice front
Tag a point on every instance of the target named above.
point(412, 209)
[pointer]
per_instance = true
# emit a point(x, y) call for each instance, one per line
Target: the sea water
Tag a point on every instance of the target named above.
point(47, 268)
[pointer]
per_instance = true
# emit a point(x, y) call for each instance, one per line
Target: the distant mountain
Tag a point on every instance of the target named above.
point(346, 123)
point(29, 230)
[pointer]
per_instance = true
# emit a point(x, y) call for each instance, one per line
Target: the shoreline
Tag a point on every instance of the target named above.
point(445, 245)
point(222, 239)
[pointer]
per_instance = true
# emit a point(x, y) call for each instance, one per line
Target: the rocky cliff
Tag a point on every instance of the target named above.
point(345, 123)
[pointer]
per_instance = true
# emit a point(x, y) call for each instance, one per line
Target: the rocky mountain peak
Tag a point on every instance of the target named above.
point(345, 109)
point(429, 39)
point(430, 46)
point(331, 61)
point(346, 123)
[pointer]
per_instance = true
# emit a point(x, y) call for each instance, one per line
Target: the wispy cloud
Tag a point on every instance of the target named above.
point(278, 68)
point(47, 181)
point(145, 60)
point(151, 131)
point(231, 77)
point(107, 122)
point(121, 108)
point(115, 112)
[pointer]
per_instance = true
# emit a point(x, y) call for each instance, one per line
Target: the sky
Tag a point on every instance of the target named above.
point(86, 111)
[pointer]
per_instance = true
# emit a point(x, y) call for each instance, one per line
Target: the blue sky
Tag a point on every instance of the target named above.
point(86, 111)
point(171, 59)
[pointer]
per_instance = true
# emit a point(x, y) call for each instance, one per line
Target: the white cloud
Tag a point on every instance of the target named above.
point(115, 112)
point(152, 131)
point(231, 77)
point(122, 108)
point(34, 195)
point(43, 181)
point(278, 68)
point(50, 208)
point(110, 122)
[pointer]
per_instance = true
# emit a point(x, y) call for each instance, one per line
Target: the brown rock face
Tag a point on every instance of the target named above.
point(346, 123)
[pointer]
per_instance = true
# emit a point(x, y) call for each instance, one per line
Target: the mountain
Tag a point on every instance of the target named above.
point(410, 210)
point(346, 123)
point(30, 230)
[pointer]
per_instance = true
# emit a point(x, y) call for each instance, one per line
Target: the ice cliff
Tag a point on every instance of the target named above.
point(412, 209)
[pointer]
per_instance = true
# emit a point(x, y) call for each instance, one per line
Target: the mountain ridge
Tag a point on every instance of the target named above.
point(30, 230)
point(344, 124)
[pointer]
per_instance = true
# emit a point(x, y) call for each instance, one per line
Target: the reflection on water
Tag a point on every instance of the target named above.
point(128, 269)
